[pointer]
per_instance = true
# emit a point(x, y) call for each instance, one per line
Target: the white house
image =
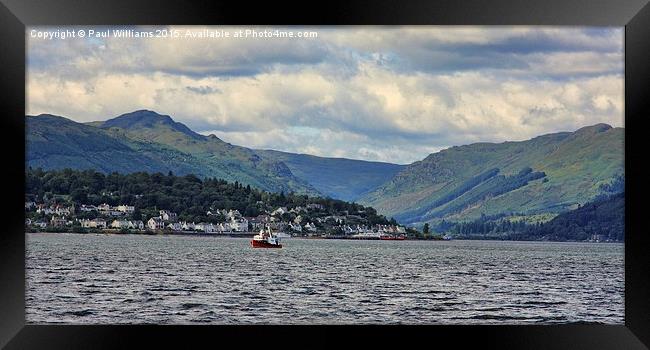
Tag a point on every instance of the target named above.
point(310, 227)
point(167, 215)
point(279, 211)
point(94, 223)
point(104, 207)
point(175, 226)
point(258, 222)
point(188, 226)
point(155, 223)
point(298, 209)
point(315, 206)
point(295, 227)
point(126, 208)
point(120, 224)
point(58, 221)
point(239, 225)
point(56, 210)
point(99, 222)
point(233, 214)
point(85, 207)
point(136, 224)
point(205, 227)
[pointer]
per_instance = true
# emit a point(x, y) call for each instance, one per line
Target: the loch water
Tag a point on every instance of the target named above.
point(180, 279)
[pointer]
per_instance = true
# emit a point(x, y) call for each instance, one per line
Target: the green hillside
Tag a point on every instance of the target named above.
point(550, 173)
point(54, 142)
point(601, 220)
point(544, 176)
point(341, 178)
point(147, 141)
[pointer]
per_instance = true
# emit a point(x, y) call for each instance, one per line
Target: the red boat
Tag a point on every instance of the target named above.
point(266, 240)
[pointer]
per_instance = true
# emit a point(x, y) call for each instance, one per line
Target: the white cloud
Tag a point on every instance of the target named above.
point(355, 92)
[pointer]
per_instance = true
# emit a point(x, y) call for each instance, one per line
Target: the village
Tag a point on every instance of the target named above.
point(119, 219)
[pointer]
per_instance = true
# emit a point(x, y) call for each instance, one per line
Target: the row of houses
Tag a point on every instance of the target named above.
point(234, 225)
point(56, 221)
point(229, 214)
point(117, 224)
point(109, 210)
point(56, 209)
point(235, 222)
point(295, 227)
point(297, 210)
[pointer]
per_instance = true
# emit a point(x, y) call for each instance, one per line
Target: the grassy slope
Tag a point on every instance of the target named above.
point(56, 143)
point(232, 163)
point(575, 165)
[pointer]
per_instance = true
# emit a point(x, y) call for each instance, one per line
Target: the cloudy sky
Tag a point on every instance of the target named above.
point(391, 94)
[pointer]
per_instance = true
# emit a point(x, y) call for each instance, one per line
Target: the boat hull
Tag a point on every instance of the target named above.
point(264, 244)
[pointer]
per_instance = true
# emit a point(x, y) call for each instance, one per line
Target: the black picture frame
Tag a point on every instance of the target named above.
point(633, 14)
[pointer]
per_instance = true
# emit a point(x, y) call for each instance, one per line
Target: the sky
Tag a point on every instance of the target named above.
point(393, 94)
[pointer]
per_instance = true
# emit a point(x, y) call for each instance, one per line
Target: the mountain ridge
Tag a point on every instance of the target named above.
point(574, 165)
point(156, 145)
point(155, 142)
point(549, 173)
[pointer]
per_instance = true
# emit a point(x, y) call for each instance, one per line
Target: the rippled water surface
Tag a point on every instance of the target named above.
point(96, 278)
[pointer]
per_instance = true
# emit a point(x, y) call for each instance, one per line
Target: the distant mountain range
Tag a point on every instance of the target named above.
point(147, 141)
point(339, 178)
point(550, 173)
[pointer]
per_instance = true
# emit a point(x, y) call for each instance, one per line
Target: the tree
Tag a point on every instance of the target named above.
point(137, 215)
point(425, 229)
point(189, 196)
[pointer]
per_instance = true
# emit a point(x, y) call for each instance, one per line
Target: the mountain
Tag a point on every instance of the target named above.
point(145, 120)
point(211, 155)
point(340, 178)
point(147, 141)
point(144, 140)
point(54, 142)
point(547, 174)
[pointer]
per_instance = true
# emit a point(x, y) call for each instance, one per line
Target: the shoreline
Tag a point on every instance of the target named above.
point(251, 234)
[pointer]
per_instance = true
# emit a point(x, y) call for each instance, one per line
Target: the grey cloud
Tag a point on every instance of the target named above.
point(392, 95)
point(203, 90)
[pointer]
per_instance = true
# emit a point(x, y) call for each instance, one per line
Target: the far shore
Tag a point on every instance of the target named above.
point(251, 234)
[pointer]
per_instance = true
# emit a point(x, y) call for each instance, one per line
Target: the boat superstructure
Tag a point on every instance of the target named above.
point(266, 239)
